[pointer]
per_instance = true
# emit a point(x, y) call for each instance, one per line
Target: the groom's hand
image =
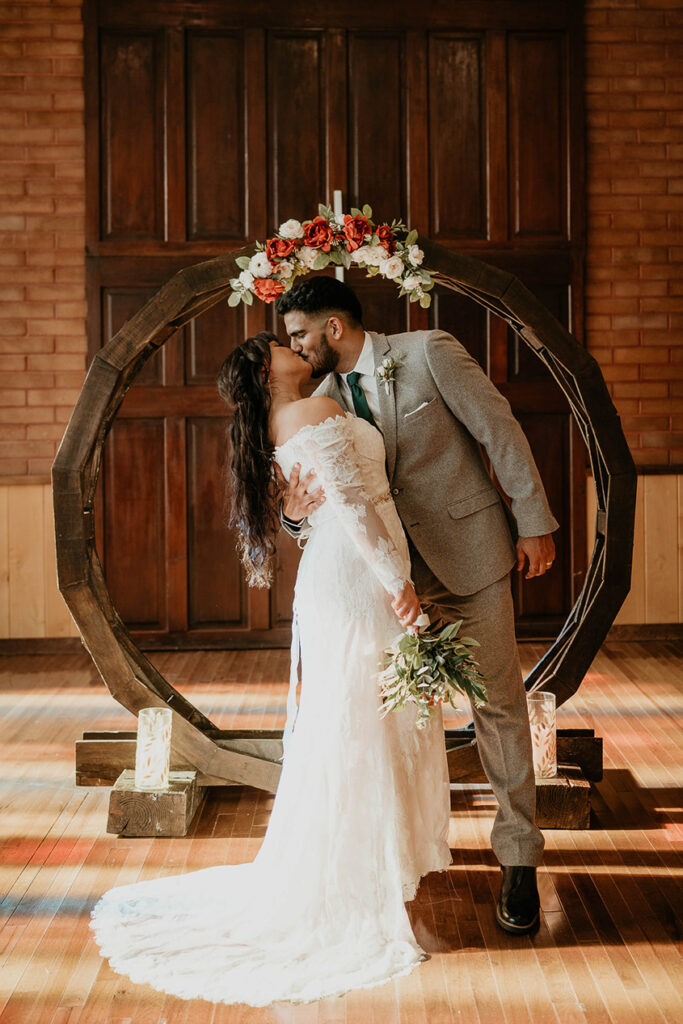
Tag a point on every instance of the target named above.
point(297, 504)
point(406, 605)
point(539, 550)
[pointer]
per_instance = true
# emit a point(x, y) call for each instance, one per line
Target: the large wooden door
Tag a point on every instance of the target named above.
point(210, 123)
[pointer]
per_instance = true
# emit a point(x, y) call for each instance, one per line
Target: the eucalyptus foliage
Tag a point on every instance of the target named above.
point(428, 669)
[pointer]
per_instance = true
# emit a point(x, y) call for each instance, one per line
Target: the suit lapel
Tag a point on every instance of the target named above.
point(387, 402)
point(330, 388)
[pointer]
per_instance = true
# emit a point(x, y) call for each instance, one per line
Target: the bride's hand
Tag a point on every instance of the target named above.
point(406, 605)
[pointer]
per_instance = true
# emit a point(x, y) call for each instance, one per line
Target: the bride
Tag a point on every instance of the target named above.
point(361, 812)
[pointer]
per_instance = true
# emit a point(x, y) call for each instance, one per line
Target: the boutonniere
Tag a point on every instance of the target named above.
point(386, 371)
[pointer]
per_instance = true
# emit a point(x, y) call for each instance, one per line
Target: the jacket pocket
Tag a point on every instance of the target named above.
point(473, 503)
point(415, 413)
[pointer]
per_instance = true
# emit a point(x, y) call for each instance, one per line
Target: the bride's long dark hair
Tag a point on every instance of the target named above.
point(243, 385)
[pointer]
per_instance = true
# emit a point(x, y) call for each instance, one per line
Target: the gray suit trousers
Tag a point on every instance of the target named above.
point(502, 725)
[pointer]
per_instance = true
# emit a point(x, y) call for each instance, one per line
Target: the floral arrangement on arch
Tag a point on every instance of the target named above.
point(343, 240)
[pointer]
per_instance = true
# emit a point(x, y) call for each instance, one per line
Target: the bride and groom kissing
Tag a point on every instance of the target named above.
point(382, 479)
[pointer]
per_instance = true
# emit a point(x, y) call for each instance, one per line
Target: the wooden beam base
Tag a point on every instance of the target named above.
point(168, 812)
point(565, 801)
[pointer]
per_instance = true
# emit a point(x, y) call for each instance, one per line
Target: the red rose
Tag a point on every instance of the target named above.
point(386, 238)
point(355, 230)
point(318, 234)
point(267, 288)
point(279, 248)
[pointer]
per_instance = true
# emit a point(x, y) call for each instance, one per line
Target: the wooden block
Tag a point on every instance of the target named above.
point(133, 812)
point(563, 802)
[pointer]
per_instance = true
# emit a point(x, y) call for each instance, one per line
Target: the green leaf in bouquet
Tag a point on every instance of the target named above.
point(243, 262)
point(411, 238)
point(234, 299)
point(321, 260)
point(367, 211)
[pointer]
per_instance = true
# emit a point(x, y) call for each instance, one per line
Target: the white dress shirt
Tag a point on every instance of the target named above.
point(367, 380)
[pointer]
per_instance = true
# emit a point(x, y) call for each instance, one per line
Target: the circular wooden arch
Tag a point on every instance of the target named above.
point(130, 676)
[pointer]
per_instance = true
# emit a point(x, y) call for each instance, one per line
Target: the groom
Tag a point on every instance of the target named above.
point(435, 411)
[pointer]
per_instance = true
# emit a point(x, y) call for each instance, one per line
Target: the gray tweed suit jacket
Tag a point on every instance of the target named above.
point(440, 408)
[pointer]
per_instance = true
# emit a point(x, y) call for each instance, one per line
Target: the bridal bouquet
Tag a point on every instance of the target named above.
point(428, 668)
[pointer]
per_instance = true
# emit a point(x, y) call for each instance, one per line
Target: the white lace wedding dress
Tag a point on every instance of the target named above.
point(361, 812)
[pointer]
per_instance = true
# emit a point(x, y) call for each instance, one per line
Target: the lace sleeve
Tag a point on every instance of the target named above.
point(331, 450)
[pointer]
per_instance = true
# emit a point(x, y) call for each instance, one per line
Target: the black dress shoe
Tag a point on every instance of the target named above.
point(518, 903)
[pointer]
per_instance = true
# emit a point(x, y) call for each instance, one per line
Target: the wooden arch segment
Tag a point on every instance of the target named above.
point(131, 678)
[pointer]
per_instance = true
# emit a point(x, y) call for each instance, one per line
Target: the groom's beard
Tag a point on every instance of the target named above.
point(323, 359)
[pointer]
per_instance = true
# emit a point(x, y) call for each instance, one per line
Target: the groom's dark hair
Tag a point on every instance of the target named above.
point(321, 295)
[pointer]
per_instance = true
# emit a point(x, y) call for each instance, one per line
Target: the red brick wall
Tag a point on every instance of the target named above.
point(634, 98)
point(634, 281)
point(42, 276)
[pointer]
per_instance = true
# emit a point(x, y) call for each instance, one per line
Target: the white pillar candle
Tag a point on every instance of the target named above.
point(153, 748)
point(543, 733)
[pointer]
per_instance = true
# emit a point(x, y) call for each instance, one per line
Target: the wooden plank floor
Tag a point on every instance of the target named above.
point(606, 950)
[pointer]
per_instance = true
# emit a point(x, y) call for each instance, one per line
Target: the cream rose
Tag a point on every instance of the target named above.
point(307, 256)
point(411, 282)
point(285, 269)
point(415, 255)
point(291, 229)
point(246, 279)
point(391, 268)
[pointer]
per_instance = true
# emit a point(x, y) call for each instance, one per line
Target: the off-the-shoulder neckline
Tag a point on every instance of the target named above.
point(312, 426)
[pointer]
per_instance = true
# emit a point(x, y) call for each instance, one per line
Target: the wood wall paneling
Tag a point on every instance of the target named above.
point(296, 131)
point(215, 134)
point(26, 558)
point(217, 595)
point(132, 135)
point(547, 598)
point(661, 547)
point(537, 130)
point(135, 522)
point(457, 137)
point(210, 338)
point(377, 154)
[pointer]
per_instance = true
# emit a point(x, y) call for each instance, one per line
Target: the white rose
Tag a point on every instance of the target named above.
point(246, 279)
point(391, 268)
point(358, 255)
point(415, 255)
point(291, 229)
point(410, 282)
point(285, 269)
point(307, 256)
point(260, 265)
point(375, 255)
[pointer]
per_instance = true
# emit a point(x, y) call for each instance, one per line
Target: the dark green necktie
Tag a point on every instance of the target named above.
point(360, 402)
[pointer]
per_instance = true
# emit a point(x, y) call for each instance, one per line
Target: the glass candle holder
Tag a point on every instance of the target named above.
point(543, 733)
point(153, 748)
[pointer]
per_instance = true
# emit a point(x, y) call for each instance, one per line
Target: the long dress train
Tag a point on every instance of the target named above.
point(361, 811)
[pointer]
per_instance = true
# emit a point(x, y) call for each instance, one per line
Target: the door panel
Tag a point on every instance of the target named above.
point(377, 156)
point(458, 186)
point(215, 134)
point(134, 515)
point(131, 78)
